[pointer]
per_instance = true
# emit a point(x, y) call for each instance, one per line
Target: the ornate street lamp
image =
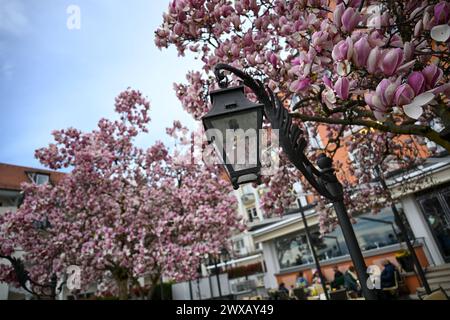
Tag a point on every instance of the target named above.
point(47, 290)
point(225, 115)
point(232, 126)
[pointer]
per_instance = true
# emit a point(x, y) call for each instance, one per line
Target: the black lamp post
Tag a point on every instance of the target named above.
point(313, 250)
point(217, 273)
point(231, 110)
point(225, 255)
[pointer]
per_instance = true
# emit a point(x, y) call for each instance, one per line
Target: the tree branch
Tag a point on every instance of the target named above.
point(387, 126)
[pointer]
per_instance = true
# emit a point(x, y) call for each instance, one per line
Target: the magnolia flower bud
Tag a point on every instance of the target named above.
point(432, 75)
point(273, 59)
point(374, 102)
point(373, 60)
point(418, 28)
point(404, 95)
point(178, 29)
point(442, 12)
point(386, 91)
point(361, 51)
point(300, 85)
point(408, 49)
point(417, 82)
point(337, 15)
point(341, 87)
point(343, 50)
point(350, 19)
point(391, 60)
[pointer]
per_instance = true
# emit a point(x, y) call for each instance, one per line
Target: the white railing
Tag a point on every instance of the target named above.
point(6, 209)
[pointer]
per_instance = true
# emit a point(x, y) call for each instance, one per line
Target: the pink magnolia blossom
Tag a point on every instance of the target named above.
point(337, 14)
point(373, 60)
point(350, 19)
point(361, 51)
point(373, 45)
point(417, 82)
point(390, 61)
point(442, 12)
point(300, 85)
point(432, 75)
point(382, 99)
point(122, 212)
point(404, 95)
point(341, 87)
point(343, 50)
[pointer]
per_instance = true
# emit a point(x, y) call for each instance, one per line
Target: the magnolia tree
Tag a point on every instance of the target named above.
point(382, 65)
point(122, 212)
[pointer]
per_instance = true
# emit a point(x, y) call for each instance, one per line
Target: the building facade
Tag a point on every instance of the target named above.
point(11, 178)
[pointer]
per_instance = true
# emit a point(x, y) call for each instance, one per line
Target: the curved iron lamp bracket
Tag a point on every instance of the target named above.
point(23, 278)
point(291, 139)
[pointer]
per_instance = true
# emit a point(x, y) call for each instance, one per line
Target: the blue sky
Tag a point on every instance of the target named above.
point(52, 77)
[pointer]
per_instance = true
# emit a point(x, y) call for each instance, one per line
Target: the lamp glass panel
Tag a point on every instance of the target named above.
point(240, 138)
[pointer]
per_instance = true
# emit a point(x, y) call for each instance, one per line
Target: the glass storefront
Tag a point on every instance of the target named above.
point(293, 250)
point(372, 231)
point(436, 209)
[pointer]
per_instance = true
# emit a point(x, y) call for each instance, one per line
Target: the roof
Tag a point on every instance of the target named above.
point(12, 176)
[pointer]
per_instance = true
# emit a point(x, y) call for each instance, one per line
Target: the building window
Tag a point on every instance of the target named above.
point(314, 140)
point(293, 250)
point(376, 231)
point(39, 178)
point(247, 188)
point(435, 206)
point(252, 214)
point(372, 231)
point(239, 246)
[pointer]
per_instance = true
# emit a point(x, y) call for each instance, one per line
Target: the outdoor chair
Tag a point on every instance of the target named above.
point(438, 294)
point(352, 295)
point(300, 294)
point(339, 295)
point(282, 295)
point(392, 291)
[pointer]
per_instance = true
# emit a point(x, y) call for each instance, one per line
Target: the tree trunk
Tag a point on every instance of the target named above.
point(151, 290)
point(122, 286)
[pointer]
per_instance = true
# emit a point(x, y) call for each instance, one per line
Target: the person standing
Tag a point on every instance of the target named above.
point(339, 280)
point(351, 282)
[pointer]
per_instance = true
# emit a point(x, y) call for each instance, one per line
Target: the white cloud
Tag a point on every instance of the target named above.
point(13, 19)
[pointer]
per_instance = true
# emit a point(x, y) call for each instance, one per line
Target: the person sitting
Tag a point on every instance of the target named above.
point(388, 279)
point(316, 278)
point(339, 280)
point(351, 282)
point(301, 281)
point(283, 292)
point(282, 287)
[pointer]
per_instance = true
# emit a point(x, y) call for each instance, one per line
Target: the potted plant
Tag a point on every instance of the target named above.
point(405, 260)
